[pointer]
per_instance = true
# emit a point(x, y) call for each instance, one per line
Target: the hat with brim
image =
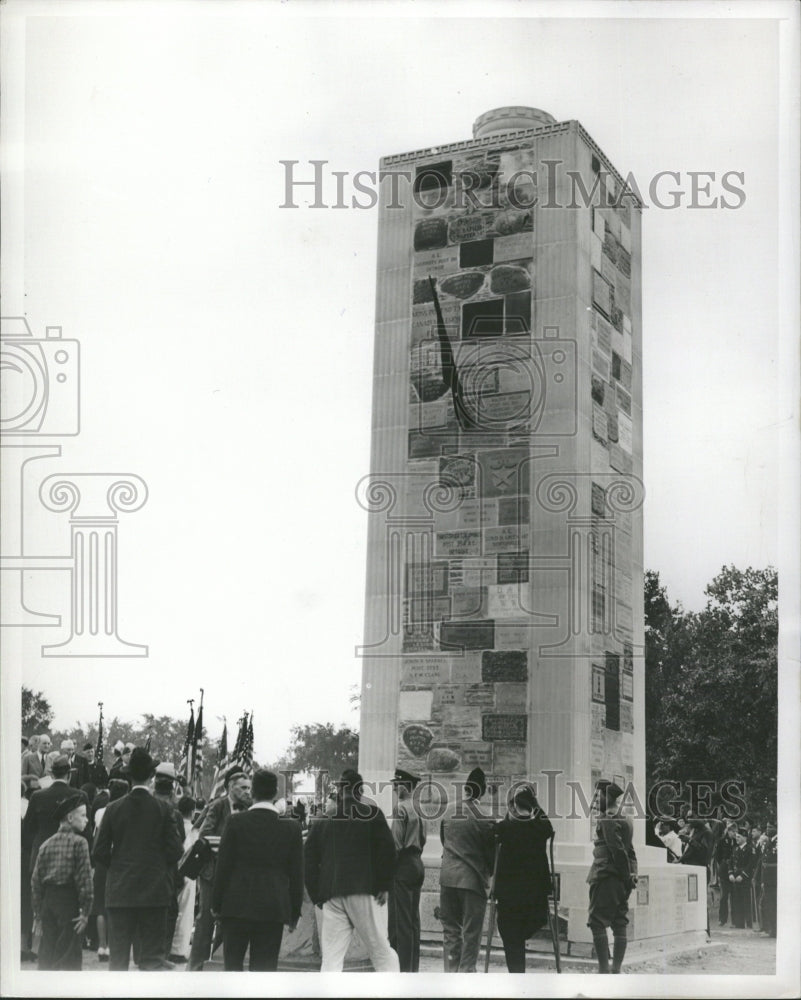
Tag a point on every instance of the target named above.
point(88, 746)
point(406, 778)
point(141, 765)
point(233, 772)
point(166, 769)
point(66, 806)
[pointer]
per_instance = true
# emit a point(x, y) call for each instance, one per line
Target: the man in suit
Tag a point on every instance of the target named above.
point(212, 824)
point(87, 770)
point(258, 885)
point(34, 761)
point(164, 789)
point(138, 841)
point(39, 823)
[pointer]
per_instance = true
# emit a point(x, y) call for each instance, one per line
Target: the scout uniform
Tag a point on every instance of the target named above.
point(612, 877)
point(409, 835)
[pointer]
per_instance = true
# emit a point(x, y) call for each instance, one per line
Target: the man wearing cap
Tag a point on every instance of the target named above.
point(212, 824)
point(350, 857)
point(61, 887)
point(741, 871)
point(122, 757)
point(164, 789)
point(39, 822)
point(612, 877)
point(467, 855)
point(88, 770)
point(138, 841)
point(409, 834)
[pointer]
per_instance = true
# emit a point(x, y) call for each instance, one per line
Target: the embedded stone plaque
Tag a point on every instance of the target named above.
point(510, 759)
point(503, 601)
point(511, 636)
point(505, 539)
point(513, 510)
point(507, 278)
point(504, 665)
point(461, 722)
point(481, 695)
point(423, 671)
point(430, 234)
point(516, 247)
point(463, 285)
point(458, 543)
point(511, 697)
point(417, 739)
point(415, 704)
point(504, 727)
point(469, 601)
point(466, 669)
point(442, 759)
point(467, 635)
point(476, 755)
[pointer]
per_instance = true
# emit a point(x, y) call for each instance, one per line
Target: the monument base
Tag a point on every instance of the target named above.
point(667, 910)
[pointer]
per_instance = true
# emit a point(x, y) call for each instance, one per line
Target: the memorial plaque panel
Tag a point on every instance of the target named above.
point(428, 609)
point(417, 739)
point(424, 671)
point(600, 424)
point(469, 602)
point(467, 635)
point(626, 717)
point(503, 601)
point(512, 728)
point(511, 636)
point(510, 758)
point(504, 665)
point(513, 510)
point(505, 539)
point(643, 888)
point(504, 472)
point(627, 686)
point(466, 669)
point(481, 695)
point(443, 759)
point(418, 642)
point(415, 705)
point(461, 723)
point(625, 431)
point(476, 755)
point(430, 234)
point(506, 278)
point(511, 697)
point(431, 579)
point(448, 694)
point(516, 247)
point(458, 543)
point(462, 285)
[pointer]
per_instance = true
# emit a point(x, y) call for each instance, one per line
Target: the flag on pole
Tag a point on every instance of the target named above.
point(247, 749)
point(99, 751)
point(197, 750)
point(450, 373)
point(185, 767)
point(218, 781)
point(148, 742)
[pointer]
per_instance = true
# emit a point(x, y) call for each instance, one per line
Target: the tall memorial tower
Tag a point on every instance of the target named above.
point(504, 608)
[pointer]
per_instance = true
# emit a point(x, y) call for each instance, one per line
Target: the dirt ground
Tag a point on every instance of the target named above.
point(736, 952)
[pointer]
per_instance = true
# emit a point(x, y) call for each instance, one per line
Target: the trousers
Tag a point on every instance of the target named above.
point(725, 891)
point(204, 926)
point(60, 948)
point(609, 906)
point(404, 911)
point(141, 924)
point(741, 904)
point(462, 914)
point(263, 937)
point(516, 925)
point(343, 915)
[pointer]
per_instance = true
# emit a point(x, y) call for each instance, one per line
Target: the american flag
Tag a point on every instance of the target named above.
point(197, 752)
point(247, 749)
point(99, 751)
point(185, 767)
point(218, 781)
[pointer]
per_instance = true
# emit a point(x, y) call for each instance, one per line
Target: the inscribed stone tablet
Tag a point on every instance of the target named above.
point(627, 686)
point(511, 697)
point(504, 601)
point(430, 234)
point(504, 665)
point(461, 723)
point(462, 285)
point(470, 227)
point(515, 247)
point(476, 755)
point(424, 671)
point(511, 636)
point(600, 424)
point(505, 539)
point(482, 695)
point(469, 601)
point(513, 567)
point(626, 717)
point(504, 472)
point(625, 432)
point(459, 543)
point(513, 510)
point(504, 727)
point(466, 669)
point(415, 705)
point(467, 635)
point(510, 759)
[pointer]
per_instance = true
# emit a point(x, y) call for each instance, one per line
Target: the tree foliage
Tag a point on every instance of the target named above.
point(711, 703)
point(322, 747)
point(36, 712)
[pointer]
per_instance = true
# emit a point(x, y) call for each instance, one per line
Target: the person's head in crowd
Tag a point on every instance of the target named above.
point(71, 813)
point(741, 836)
point(128, 749)
point(117, 749)
point(404, 783)
point(51, 758)
point(237, 785)
point(350, 784)
point(165, 780)
point(200, 803)
point(264, 787)
point(33, 744)
point(186, 806)
point(59, 766)
point(476, 785)
point(117, 787)
point(141, 766)
point(524, 802)
point(45, 743)
point(770, 828)
point(90, 791)
point(89, 752)
point(67, 747)
point(756, 832)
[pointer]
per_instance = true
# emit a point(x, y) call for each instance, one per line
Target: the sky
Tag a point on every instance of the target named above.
point(226, 343)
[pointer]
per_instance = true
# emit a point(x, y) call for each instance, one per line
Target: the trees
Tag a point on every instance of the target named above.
point(36, 712)
point(321, 747)
point(711, 684)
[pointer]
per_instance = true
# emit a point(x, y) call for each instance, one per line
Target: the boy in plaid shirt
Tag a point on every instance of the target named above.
point(61, 888)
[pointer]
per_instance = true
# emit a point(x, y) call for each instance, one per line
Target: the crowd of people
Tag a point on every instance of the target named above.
point(741, 862)
point(129, 864)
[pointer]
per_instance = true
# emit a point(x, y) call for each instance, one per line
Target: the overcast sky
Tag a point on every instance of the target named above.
point(227, 343)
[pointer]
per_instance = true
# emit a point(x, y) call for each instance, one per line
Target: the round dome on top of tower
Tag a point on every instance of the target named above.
point(509, 120)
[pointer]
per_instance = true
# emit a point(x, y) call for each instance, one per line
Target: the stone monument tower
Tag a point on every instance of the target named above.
point(504, 614)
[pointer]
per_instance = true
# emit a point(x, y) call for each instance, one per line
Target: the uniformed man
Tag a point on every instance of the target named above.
point(612, 877)
point(741, 870)
point(409, 834)
point(768, 869)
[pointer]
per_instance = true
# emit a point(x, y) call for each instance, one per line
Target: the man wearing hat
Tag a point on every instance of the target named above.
point(138, 841)
point(122, 757)
point(34, 760)
point(61, 887)
point(612, 877)
point(39, 822)
point(88, 770)
point(164, 789)
point(741, 871)
point(467, 856)
point(409, 834)
point(212, 824)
